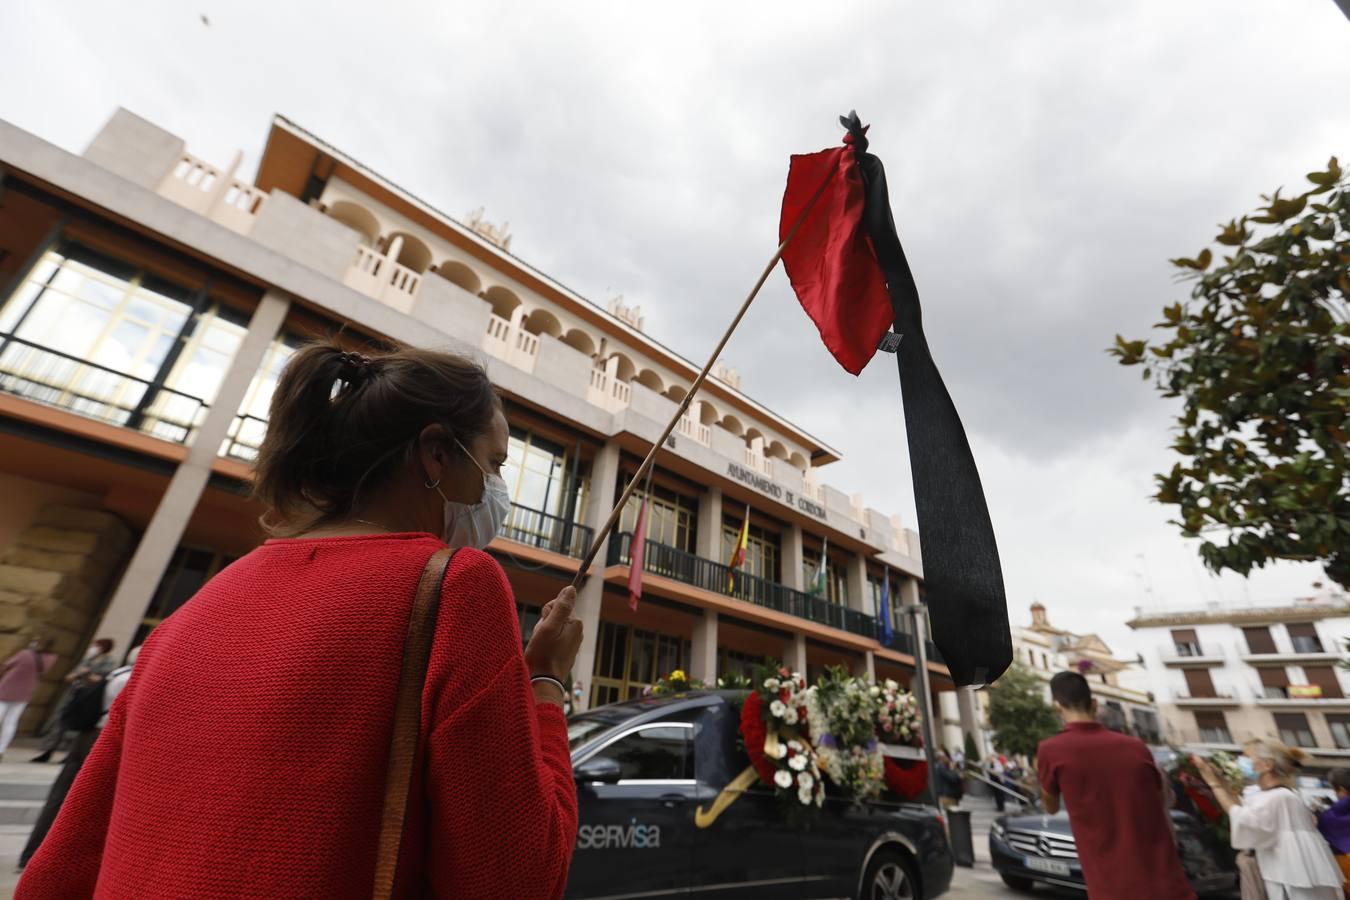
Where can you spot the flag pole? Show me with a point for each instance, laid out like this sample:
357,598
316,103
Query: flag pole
608,527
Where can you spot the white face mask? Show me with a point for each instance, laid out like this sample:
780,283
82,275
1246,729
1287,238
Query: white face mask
476,524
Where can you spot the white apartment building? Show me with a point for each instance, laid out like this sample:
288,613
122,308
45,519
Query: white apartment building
1045,650
1223,675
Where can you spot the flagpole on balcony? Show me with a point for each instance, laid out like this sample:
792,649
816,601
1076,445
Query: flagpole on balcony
603,534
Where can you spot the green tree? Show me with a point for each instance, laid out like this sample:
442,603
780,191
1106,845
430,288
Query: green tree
1260,358
1018,713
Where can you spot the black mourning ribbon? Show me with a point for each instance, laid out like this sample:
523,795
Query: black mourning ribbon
967,607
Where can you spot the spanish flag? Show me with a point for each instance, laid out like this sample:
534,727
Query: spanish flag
738,552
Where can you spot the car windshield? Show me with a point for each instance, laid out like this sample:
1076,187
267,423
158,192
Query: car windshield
587,725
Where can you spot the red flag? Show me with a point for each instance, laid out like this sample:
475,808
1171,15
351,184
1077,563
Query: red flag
637,552
830,262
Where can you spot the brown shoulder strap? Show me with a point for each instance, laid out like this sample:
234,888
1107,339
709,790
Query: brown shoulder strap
407,716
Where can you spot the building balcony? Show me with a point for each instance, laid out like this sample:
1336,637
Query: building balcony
511,344
381,278
1219,698
679,565
1298,696
1190,655
758,462
1299,652
903,642
48,376
546,532
608,392
219,196
695,431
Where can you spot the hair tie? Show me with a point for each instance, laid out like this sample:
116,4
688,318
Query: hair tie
355,366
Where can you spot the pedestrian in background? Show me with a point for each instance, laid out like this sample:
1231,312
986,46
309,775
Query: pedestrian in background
240,762
948,781
19,677
1334,822
994,769
1295,862
86,675
1117,803
79,751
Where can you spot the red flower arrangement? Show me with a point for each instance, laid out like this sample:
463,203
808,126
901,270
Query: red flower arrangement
906,778
754,732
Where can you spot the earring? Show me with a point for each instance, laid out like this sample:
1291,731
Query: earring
432,485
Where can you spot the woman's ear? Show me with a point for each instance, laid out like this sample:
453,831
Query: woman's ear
433,453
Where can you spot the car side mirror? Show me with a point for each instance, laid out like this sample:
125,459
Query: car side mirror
598,768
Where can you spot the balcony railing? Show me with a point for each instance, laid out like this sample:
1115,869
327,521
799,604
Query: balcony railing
608,392
383,279
695,431
671,562
758,462
244,438
203,188
903,641
547,532
67,382
511,343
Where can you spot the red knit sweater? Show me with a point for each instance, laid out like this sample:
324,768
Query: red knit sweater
246,757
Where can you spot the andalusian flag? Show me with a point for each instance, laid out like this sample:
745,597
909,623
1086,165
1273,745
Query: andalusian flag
738,552
817,588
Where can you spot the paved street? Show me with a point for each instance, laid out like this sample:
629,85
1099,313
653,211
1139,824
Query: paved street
23,789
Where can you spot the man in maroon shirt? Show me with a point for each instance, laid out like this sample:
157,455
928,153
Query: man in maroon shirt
1115,796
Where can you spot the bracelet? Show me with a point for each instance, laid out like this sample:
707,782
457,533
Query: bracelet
562,688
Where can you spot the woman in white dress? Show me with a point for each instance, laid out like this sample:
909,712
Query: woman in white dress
1295,862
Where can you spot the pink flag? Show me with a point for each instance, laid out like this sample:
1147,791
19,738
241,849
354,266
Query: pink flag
637,552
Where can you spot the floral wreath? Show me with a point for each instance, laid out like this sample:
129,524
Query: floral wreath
794,734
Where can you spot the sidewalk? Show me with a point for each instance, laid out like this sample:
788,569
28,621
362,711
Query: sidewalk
23,790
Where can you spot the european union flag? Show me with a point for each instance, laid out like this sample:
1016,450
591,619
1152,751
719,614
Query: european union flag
884,613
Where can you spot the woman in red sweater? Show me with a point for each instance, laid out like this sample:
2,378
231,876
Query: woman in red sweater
242,761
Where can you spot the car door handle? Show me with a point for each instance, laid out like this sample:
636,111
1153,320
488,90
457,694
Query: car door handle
670,801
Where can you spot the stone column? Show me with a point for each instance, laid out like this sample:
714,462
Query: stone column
793,576
709,543
604,481
794,653
858,598
127,607
703,650
865,666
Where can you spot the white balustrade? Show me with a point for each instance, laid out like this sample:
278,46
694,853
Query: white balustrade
758,462
695,431
608,393
203,188
511,344
381,278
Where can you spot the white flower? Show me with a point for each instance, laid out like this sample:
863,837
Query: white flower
798,762
804,796
876,691
796,745
783,778
804,780
776,709
771,684
820,798
790,716
779,751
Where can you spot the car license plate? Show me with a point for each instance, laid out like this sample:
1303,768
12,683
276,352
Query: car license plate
1048,866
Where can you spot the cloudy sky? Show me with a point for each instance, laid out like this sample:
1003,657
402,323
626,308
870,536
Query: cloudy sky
1045,159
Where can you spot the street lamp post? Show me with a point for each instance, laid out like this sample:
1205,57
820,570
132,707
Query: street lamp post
917,613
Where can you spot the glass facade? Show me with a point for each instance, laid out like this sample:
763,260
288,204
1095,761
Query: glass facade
629,660
246,432
672,519
539,473
761,551
836,583
103,338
